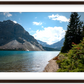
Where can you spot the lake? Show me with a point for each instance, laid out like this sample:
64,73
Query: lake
25,61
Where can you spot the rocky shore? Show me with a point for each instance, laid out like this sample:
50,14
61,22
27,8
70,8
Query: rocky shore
52,66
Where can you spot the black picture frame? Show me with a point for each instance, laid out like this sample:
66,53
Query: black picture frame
41,81
42,3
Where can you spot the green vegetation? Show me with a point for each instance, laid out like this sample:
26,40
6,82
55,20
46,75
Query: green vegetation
73,61
71,58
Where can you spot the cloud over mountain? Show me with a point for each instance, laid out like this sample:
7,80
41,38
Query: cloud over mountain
50,34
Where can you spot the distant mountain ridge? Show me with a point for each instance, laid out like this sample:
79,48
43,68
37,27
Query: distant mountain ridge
58,45
13,36
42,43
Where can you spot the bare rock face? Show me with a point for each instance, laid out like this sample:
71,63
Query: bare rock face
13,36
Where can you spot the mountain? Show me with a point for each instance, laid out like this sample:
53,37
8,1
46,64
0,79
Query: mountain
14,37
42,43
56,45
51,49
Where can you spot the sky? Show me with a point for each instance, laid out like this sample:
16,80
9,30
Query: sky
48,27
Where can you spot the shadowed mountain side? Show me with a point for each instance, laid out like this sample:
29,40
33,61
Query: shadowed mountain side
13,36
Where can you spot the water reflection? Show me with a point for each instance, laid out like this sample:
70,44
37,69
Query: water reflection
25,61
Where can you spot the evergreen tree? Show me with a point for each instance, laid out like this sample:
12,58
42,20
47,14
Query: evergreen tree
82,33
73,32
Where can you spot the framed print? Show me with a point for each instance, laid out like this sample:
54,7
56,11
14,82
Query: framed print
41,41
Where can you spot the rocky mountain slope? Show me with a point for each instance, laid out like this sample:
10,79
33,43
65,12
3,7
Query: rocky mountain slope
13,36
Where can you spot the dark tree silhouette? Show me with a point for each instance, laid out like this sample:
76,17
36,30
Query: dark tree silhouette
73,33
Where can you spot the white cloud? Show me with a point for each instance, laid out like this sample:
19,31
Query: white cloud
7,14
37,23
58,17
50,34
14,21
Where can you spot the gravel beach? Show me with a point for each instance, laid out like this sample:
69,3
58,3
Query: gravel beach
52,66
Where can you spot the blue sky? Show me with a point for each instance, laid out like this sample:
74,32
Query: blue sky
49,27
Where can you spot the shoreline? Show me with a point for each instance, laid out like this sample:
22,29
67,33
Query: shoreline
52,66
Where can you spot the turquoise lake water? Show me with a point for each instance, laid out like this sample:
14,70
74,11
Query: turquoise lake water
25,61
